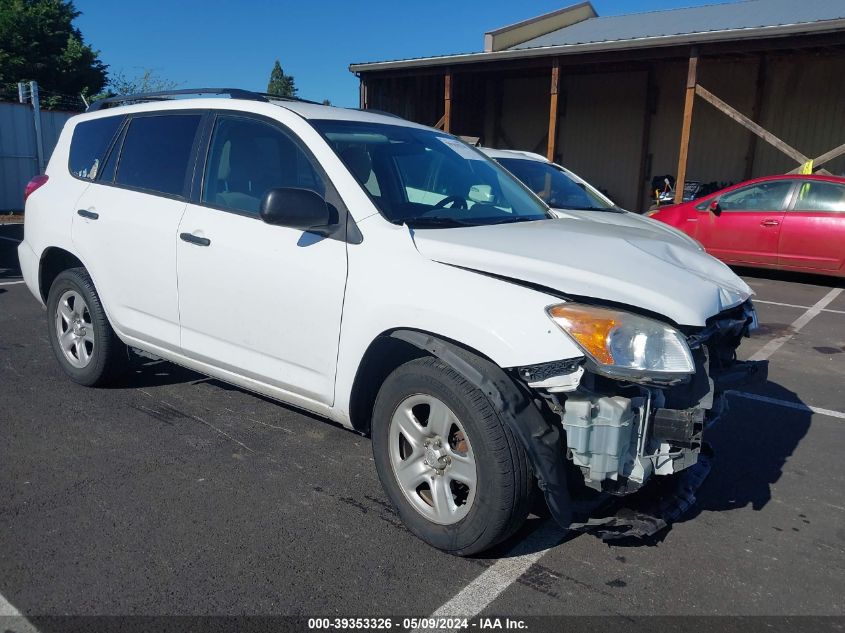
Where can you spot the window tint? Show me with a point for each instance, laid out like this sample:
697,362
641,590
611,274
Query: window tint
765,196
553,185
90,141
821,196
249,157
156,152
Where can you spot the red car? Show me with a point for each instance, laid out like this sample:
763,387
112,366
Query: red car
788,222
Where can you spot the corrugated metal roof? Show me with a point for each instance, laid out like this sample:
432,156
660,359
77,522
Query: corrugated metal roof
750,14
709,23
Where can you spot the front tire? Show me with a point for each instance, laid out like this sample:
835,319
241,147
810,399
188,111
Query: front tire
458,477
84,343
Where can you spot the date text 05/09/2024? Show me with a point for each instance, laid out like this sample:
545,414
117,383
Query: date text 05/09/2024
417,624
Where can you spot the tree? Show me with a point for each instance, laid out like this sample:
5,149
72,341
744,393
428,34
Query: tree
280,83
147,81
326,102
38,42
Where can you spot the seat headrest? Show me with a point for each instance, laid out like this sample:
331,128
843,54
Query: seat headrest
359,162
224,167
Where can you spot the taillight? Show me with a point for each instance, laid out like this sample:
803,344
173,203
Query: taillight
34,184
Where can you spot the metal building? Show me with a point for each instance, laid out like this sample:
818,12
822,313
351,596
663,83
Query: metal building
18,148
623,99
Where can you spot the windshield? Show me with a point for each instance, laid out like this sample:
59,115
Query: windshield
425,178
556,188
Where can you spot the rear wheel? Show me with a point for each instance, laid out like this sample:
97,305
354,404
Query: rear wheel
459,479
82,339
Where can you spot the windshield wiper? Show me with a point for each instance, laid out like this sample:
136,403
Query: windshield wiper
437,222
571,208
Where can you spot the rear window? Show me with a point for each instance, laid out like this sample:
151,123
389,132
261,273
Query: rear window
91,140
156,152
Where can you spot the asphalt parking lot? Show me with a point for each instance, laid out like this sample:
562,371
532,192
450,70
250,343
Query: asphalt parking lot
177,494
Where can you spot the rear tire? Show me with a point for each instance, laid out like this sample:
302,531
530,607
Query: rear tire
84,343
438,438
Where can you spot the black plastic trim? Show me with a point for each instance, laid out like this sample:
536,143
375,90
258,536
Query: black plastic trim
543,441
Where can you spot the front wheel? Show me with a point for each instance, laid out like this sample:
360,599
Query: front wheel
458,477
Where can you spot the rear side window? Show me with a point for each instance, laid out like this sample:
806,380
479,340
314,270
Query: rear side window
156,152
91,140
821,196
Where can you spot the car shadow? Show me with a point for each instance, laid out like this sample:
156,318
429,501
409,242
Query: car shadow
751,445
790,276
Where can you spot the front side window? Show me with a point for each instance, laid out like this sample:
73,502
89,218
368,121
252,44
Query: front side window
247,158
764,196
820,196
554,186
156,152
91,140
422,177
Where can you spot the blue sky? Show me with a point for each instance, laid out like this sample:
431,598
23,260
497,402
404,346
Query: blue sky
200,43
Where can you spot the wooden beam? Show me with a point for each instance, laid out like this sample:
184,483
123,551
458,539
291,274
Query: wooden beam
836,152
447,102
440,122
740,118
756,112
553,110
686,125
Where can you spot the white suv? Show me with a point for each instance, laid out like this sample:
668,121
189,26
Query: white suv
389,277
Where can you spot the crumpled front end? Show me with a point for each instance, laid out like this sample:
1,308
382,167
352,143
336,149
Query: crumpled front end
620,435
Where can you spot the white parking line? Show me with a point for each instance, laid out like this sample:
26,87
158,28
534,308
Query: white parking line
792,305
10,239
13,620
478,594
11,283
799,406
775,344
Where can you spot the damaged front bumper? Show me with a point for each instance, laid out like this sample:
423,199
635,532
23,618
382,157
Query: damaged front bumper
619,435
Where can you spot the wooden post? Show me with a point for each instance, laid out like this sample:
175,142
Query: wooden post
686,126
447,105
553,110
362,94
756,110
645,159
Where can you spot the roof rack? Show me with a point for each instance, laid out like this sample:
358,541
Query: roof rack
163,95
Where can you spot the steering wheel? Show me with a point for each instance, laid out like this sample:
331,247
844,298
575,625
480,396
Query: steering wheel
459,202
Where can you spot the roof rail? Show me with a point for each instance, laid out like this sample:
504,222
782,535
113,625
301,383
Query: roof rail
232,93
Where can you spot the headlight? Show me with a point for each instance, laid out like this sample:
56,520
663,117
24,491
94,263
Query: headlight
625,345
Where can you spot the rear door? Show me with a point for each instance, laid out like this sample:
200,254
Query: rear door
125,226
748,228
813,231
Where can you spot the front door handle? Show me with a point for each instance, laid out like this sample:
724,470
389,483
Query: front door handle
88,214
769,222
193,239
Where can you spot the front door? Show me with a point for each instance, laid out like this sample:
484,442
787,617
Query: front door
747,229
258,300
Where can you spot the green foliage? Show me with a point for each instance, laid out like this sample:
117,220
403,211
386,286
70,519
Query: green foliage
147,81
38,42
280,83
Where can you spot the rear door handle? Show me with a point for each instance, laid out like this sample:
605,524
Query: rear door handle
88,214
769,222
193,239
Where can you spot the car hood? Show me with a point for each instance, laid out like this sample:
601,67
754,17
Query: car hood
622,264
627,218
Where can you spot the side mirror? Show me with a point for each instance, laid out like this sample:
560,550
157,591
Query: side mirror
714,207
296,208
